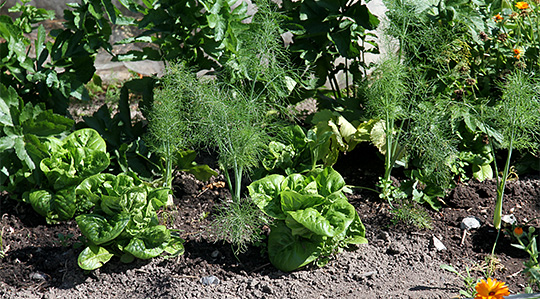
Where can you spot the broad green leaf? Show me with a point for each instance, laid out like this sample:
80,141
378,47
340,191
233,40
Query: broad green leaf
269,185
93,257
22,154
482,172
6,143
90,190
329,181
99,229
64,204
265,194
86,138
41,201
356,232
150,243
89,162
293,201
175,246
295,182
8,98
314,221
40,122
138,248
287,252
340,215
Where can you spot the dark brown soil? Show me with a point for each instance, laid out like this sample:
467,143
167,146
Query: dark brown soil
398,262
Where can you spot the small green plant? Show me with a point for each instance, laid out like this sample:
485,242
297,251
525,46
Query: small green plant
527,242
240,224
124,222
64,239
411,215
468,280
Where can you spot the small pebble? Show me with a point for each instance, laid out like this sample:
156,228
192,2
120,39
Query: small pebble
209,280
38,276
509,219
437,244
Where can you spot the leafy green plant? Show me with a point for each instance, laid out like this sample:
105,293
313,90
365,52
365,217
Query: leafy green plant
527,242
124,221
78,156
469,281
200,33
325,31
25,131
60,68
312,217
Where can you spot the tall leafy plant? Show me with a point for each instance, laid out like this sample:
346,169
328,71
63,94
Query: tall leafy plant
324,31
199,33
518,119
59,69
25,132
386,99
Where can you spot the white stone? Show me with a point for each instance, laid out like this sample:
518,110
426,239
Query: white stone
509,219
437,244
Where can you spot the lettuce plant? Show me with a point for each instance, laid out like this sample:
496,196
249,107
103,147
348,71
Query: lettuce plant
78,156
313,218
124,221
25,131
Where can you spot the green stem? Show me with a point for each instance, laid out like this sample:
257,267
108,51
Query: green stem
495,244
238,170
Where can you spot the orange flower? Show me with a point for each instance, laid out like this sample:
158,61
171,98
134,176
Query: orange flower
517,53
492,289
522,5
518,231
498,17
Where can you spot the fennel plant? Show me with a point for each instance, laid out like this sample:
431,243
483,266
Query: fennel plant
386,100
517,116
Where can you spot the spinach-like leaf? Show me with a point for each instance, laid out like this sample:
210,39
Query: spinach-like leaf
265,194
99,229
93,257
293,201
150,243
288,252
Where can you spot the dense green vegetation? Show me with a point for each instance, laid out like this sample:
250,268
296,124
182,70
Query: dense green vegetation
457,90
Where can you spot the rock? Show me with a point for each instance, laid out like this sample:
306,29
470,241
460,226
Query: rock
215,253
437,244
395,248
469,223
267,289
38,276
209,280
509,219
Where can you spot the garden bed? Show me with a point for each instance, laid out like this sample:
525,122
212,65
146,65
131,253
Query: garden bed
398,262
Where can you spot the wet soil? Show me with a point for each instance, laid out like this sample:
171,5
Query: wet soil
40,261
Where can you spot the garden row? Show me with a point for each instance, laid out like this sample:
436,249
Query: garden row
456,99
